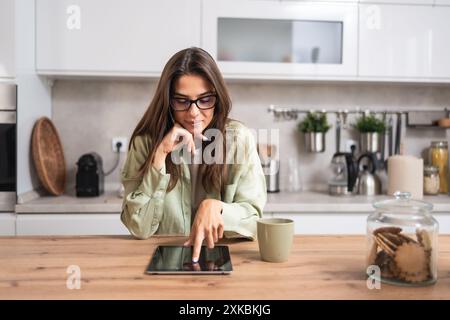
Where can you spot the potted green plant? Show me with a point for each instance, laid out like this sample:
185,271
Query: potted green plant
371,130
314,126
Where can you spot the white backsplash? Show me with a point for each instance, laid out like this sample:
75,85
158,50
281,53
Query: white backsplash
88,114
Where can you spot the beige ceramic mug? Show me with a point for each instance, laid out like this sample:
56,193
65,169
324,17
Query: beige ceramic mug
275,237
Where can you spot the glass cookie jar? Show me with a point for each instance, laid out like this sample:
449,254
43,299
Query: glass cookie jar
402,240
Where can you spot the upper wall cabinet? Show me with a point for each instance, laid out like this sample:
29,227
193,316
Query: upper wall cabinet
131,37
442,2
439,27
425,2
7,43
281,39
318,0
404,41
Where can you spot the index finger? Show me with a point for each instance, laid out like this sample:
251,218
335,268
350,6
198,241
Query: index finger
197,247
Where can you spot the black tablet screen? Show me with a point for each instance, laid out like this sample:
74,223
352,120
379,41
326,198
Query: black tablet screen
178,259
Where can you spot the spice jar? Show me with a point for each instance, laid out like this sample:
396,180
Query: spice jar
431,180
402,239
439,158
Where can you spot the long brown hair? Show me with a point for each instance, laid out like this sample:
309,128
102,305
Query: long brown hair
158,119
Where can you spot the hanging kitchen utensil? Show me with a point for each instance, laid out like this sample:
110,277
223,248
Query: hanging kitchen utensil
383,141
398,134
390,137
338,131
344,119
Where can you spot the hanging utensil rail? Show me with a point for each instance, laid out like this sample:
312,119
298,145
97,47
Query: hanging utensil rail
291,113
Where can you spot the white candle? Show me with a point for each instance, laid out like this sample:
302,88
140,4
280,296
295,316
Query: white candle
405,173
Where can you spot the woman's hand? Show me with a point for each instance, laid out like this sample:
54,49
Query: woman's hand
171,141
208,224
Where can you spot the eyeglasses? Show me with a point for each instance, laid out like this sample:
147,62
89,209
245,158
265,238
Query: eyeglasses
203,103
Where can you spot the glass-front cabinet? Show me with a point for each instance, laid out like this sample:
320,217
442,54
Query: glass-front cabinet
276,39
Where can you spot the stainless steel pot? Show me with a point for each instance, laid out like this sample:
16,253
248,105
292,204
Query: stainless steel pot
315,141
369,142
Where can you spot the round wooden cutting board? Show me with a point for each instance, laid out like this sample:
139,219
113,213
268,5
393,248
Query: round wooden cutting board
48,156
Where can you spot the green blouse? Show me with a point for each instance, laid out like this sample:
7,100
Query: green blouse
149,209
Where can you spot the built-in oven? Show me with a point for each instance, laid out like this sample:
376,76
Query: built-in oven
8,143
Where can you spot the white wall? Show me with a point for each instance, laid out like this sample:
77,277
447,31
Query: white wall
89,113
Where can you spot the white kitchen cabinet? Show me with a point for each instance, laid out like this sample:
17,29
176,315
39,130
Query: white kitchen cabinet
131,37
70,224
424,2
7,223
398,41
284,39
318,0
440,42
394,41
7,39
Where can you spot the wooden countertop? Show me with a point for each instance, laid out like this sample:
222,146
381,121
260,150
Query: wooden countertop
112,267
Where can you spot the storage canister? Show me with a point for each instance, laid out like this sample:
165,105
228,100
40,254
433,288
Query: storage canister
439,158
402,240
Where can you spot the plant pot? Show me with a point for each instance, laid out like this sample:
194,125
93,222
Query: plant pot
369,142
315,141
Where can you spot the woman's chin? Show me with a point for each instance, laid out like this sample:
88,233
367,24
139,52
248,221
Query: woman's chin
194,129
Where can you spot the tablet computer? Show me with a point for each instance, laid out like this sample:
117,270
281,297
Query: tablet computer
178,260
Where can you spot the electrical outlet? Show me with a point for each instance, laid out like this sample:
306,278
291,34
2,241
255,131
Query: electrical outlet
124,142
349,143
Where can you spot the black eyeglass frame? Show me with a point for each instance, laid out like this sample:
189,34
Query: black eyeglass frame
194,101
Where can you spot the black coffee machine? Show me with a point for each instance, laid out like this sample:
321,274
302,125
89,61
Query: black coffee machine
90,178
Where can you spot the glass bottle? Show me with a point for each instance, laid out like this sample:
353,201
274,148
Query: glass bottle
431,180
402,240
439,158
294,177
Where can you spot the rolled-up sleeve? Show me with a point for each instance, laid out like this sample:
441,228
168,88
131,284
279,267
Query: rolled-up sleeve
246,197
143,203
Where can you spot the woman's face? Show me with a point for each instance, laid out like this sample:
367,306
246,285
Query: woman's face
193,87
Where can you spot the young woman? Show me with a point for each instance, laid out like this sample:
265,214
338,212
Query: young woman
190,170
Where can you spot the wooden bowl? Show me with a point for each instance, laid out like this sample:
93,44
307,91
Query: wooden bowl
444,122
48,156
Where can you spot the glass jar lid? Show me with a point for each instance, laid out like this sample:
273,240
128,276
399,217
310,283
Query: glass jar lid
430,169
439,144
403,203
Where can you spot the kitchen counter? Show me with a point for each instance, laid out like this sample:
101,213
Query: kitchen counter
112,267
109,202
284,202
316,201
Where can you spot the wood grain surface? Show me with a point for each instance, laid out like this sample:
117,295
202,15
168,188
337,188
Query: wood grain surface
112,267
